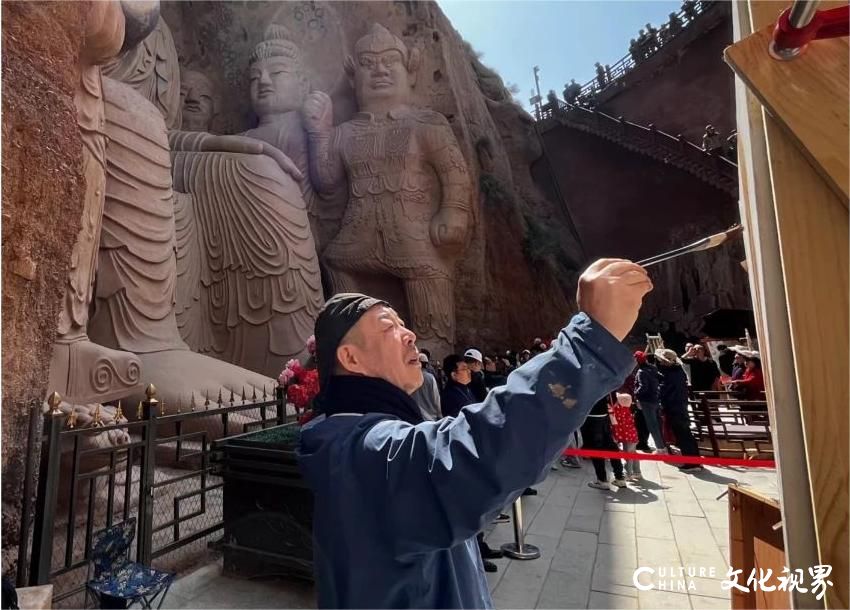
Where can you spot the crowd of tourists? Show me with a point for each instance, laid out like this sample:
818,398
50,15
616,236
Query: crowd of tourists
648,41
649,413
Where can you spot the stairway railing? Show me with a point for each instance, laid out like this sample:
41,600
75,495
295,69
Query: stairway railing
676,151
664,35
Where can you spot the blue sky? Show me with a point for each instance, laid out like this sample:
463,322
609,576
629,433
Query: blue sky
564,38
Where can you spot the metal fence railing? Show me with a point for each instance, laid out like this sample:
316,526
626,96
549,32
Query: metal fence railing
714,168
157,467
641,51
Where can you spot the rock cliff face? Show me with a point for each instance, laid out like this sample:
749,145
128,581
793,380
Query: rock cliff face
628,205
517,277
42,204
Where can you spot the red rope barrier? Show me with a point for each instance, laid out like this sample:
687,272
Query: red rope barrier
674,459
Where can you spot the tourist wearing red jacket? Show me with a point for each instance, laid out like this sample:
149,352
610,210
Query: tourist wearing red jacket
752,382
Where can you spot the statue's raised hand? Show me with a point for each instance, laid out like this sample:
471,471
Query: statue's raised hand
448,227
317,112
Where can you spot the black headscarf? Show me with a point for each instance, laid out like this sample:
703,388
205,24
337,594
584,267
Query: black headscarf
353,393
340,314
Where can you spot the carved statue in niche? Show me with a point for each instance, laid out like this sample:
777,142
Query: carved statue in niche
279,85
247,286
409,209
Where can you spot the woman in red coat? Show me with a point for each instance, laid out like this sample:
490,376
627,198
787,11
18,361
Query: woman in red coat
752,383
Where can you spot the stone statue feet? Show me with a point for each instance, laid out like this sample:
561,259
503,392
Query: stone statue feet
85,372
180,374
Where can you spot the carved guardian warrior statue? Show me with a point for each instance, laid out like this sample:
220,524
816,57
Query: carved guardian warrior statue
408,213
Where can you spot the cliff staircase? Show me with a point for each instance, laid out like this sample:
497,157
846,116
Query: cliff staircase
675,151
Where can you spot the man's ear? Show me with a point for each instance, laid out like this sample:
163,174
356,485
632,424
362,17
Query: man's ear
350,358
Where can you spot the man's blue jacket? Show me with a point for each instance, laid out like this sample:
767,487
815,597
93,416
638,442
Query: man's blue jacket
397,505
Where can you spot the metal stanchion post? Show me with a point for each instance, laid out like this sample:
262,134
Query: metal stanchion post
519,549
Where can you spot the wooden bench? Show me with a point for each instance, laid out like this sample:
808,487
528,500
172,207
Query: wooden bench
727,427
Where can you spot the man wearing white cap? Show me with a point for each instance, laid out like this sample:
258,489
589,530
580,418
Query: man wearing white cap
475,361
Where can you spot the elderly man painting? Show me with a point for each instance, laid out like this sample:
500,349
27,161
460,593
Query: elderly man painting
399,500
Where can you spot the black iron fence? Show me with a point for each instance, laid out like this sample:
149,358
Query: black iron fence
156,466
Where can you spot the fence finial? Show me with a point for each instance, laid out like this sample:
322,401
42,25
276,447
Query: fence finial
53,403
72,418
97,422
192,402
150,392
244,398
207,400
119,414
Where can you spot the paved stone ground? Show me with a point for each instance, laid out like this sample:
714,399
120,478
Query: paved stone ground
591,541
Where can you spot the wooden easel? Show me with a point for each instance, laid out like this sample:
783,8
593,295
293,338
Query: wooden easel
792,120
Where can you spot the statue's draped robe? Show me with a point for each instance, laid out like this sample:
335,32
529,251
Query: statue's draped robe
249,286
136,263
286,133
244,275
151,68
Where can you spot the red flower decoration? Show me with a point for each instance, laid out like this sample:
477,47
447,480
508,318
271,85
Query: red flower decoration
302,386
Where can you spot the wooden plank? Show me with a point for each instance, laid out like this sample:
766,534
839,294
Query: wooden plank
755,545
813,229
767,285
766,557
810,230
808,95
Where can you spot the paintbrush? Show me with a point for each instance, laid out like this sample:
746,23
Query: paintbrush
705,243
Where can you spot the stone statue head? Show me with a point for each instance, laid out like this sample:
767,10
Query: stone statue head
276,75
382,69
196,100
